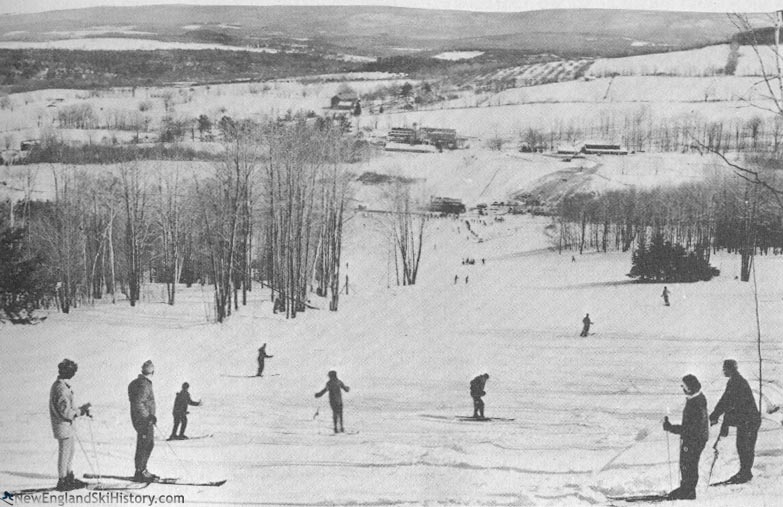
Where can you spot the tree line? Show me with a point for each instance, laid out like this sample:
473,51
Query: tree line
721,213
269,210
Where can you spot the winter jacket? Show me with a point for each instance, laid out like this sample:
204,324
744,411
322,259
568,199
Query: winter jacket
335,396
477,386
61,409
737,403
695,427
181,402
142,403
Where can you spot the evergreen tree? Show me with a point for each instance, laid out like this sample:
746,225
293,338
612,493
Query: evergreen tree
20,286
662,261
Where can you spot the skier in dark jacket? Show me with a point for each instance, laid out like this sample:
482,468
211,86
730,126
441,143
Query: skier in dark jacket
334,385
694,432
476,392
739,409
261,356
665,296
63,412
586,325
142,408
180,412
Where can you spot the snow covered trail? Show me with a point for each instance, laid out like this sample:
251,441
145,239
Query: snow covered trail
408,355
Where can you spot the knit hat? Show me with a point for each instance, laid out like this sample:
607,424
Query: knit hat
692,383
147,367
185,385
730,365
67,368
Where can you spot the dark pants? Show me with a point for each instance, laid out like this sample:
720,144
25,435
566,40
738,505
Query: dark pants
145,441
478,406
585,330
180,418
690,452
666,300
260,367
746,445
337,415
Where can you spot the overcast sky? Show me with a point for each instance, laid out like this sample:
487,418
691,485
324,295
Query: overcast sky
12,6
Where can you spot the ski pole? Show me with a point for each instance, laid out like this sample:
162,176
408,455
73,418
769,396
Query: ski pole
181,463
714,457
669,460
84,451
94,450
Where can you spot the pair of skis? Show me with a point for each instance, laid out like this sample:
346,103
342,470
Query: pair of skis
161,480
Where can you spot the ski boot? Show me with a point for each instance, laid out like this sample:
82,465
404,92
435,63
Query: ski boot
74,482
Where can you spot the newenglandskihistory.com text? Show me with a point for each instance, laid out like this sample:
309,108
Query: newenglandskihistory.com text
95,498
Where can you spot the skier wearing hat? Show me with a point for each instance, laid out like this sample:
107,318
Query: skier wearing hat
739,409
476,392
142,408
694,432
261,356
180,412
334,385
62,412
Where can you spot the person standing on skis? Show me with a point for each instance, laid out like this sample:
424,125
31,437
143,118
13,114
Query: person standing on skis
586,325
334,385
739,409
665,296
694,432
476,392
180,412
63,413
142,408
261,356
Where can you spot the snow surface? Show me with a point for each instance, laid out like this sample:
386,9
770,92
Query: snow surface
408,354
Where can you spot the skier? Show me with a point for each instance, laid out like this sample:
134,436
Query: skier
586,325
694,432
476,392
456,277
261,356
738,409
180,412
335,398
62,413
142,408
665,296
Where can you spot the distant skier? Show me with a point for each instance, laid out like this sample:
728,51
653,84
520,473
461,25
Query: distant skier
456,278
476,392
180,412
142,408
586,325
665,296
694,432
739,409
261,356
466,279
334,385
62,412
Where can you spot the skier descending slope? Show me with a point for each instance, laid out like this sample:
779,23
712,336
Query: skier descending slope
334,385
476,392
180,412
739,409
63,413
142,407
694,433
586,325
261,356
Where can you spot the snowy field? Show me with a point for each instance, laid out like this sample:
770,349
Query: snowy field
408,355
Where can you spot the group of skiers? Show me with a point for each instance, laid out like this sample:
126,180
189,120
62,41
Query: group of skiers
63,412
738,409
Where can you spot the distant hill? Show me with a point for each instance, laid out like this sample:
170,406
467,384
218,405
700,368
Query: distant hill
379,30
